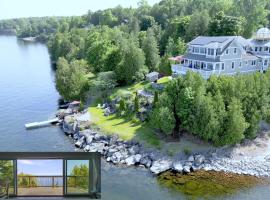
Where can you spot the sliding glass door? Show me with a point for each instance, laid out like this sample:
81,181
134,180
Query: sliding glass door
77,177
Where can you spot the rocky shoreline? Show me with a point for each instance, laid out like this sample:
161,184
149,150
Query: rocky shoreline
132,153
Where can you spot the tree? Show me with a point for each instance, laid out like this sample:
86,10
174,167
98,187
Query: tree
163,119
254,12
132,65
136,104
198,25
71,81
226,25
175,48
235,124
122,106
105,81
79,176
147,22
165,66
6,170
150,48
155,98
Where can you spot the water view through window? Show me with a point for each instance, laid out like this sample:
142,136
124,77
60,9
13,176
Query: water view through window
77,176
40,177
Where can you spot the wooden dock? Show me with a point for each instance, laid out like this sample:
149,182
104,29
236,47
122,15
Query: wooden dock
40,124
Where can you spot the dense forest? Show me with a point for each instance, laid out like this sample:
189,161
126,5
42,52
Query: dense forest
119,46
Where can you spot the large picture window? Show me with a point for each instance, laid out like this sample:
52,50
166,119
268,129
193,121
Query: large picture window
77,178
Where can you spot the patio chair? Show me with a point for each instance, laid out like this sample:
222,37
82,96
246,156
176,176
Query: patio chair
4,189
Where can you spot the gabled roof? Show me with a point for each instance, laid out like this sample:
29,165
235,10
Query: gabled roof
217,41
265,43
249,56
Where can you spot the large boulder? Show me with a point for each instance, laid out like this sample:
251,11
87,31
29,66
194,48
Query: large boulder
190,159
97,147
80,142
160,166
146,161
130,160
116,157
134,150
198,160
177,166
70,126
134,159
186,169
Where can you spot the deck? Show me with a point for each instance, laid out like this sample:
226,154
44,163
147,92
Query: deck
49,191
40,191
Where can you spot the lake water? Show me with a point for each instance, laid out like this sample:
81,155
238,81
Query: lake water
28,94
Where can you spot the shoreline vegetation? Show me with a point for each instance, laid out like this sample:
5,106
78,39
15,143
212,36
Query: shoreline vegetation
238,159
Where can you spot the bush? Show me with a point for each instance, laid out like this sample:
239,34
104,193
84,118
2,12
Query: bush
187,151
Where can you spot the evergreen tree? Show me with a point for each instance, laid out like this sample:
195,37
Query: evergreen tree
151,51
136,104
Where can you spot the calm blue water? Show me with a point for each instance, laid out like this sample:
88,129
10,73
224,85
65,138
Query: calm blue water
27,94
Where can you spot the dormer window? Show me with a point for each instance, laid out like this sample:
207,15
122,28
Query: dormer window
196,49
202,50
210,52
256,48
227,51
235,50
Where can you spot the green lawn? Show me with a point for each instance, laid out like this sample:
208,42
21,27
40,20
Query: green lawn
126,128
164,80
131,89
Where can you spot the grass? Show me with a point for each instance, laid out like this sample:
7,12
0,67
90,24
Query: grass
126,128
131,89
164,80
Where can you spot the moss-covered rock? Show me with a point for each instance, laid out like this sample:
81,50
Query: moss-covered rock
206,184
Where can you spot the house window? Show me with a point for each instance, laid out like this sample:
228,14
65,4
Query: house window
260,49
202,50
246,62
253,62
227,51
256,48
266,48
234,51
232,65
265,62
196,49
222,66
210,52
240,64
210,66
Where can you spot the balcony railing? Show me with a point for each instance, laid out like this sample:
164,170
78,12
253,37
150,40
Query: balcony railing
182,70
51,181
